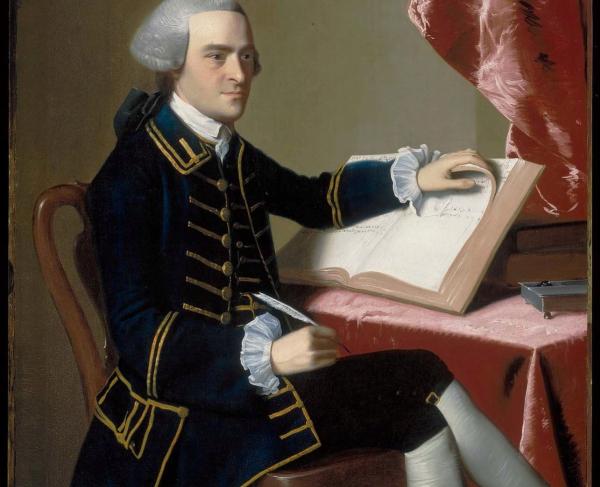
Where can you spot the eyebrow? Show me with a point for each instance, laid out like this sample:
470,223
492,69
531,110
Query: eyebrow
225,47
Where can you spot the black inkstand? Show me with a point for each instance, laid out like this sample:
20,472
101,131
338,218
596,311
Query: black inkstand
553,296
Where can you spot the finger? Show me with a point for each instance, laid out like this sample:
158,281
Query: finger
323,354
462,183
459,159
324,344
466,157
320,357
327,363
479,161
324,332
459,152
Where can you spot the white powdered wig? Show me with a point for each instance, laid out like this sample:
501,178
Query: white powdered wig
161,42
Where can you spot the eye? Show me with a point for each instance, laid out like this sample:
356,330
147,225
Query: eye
216,56
249,56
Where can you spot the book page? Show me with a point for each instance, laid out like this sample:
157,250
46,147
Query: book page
344,248
417,250
424,247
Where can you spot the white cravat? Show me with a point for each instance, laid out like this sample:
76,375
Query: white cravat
203,125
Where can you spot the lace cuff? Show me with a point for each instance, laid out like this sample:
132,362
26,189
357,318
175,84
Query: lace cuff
404,174
255,356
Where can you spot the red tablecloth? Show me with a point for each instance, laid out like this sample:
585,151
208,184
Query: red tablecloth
526,373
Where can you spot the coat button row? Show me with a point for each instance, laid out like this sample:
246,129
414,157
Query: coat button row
227,268
222,185
226,241
226,293
225,214
225,318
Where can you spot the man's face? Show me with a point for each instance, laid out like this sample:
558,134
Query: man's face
219,65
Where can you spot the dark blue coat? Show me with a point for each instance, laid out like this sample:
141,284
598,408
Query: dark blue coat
182,240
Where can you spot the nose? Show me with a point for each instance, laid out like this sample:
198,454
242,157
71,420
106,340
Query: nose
237,72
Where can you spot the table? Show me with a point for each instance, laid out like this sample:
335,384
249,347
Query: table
527,373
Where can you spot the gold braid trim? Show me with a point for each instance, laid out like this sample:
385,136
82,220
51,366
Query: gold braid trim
160,345
124,433
153,350
201,311
336,193
203,260
204,231
309,425
332,197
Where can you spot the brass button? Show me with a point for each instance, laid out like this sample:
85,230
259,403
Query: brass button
239,244
227,268
226,293
222,184
225,318
226,240
225,214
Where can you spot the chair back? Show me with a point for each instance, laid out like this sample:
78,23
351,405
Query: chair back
93,369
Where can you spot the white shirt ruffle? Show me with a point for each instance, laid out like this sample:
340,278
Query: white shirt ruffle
404,174
259,335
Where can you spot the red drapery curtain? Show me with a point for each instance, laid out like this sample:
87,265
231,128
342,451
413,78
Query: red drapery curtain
528,57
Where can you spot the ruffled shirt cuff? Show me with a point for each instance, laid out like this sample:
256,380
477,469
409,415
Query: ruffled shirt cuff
255,356
404,174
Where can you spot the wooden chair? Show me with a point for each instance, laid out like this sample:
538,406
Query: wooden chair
93,369
355,468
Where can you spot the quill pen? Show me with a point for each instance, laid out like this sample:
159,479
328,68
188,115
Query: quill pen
287,309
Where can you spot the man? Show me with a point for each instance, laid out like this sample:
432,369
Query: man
212,388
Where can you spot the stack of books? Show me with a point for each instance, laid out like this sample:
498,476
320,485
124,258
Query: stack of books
541,253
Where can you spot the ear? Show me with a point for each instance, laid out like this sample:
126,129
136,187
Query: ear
176,73
257,65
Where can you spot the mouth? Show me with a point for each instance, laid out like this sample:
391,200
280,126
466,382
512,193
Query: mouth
233,93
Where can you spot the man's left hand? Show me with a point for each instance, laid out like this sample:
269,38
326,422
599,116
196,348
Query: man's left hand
437,175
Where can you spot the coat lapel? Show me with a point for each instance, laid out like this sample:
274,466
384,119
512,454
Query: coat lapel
183,148
242,172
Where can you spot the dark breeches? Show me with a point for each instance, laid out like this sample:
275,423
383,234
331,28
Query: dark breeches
374,400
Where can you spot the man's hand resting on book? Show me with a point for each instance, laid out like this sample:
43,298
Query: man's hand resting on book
308,348
437,175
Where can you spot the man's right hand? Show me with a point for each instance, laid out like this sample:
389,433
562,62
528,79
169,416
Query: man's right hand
308,348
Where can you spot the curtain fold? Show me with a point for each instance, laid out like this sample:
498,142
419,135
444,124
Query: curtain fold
528,58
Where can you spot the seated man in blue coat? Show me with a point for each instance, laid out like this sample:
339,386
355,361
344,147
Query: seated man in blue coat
212,387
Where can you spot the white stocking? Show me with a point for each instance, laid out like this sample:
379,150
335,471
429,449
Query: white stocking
488,456
434,464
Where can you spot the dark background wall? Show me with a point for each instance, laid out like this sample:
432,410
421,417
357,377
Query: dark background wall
340,77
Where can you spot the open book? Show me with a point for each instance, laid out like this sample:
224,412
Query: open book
436,259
